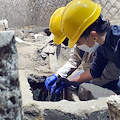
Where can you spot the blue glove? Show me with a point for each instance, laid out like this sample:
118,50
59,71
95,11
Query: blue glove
57,90
50,81
62,83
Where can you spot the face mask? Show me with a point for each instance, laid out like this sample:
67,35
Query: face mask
85,48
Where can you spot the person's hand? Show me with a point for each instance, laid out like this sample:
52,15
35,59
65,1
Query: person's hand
62,83
50,81
57,87
57,94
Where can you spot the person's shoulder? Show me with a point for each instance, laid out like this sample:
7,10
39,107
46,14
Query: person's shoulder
99,48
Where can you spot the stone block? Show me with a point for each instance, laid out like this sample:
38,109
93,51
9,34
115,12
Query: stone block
10,96
3,25
67,110
71,94
114,107
90,91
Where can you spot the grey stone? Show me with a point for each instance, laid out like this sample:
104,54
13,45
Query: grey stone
113,1
114,107
66,110
43,55
3,25
113,11
103,2
71,94
90,91
6,37
31,112
10,96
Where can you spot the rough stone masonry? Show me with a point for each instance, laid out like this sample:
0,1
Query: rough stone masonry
10,96
38,12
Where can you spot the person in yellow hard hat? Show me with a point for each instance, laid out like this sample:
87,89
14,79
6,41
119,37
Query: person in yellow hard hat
77,57
84,25
54,26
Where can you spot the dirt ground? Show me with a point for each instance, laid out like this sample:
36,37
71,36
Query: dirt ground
29,60
31,52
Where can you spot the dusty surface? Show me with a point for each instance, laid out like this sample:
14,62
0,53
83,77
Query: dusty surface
29,54
30,60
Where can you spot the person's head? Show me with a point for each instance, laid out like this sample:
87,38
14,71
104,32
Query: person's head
54,26
82,22
94,32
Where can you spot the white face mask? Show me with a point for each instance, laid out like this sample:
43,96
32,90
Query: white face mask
85,48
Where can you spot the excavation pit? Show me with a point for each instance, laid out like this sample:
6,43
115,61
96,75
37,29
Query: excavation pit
37,86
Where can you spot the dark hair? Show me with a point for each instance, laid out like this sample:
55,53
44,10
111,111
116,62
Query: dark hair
65,42
101,25
47,31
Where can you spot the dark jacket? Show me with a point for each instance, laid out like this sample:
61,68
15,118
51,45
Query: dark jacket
110,50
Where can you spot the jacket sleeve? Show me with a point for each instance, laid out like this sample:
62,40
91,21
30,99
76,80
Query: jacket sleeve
110,73
72,64
117,54
98,64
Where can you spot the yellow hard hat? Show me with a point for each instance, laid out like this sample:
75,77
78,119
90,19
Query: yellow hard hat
54,26
77,16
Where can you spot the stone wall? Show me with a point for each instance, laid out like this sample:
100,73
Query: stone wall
111,9
10,96
38,12
16,12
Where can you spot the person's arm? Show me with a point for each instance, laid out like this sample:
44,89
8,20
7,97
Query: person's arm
96,69
71,65
84,77
66,70
99,63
